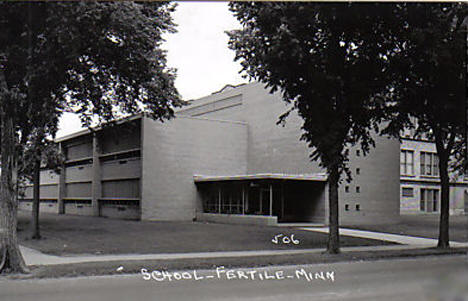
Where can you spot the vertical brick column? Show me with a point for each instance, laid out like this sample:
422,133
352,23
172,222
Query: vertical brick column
61,184
96,177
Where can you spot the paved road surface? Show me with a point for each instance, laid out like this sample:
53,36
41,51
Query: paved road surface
430,278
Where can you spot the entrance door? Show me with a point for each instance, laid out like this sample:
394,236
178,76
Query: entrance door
265,201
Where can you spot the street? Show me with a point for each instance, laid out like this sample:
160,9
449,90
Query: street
429,278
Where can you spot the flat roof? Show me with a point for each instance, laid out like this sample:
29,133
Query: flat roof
322,177
234,90
97,128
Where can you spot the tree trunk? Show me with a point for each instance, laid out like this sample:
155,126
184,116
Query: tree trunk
11,259
333,235
36,199
444,202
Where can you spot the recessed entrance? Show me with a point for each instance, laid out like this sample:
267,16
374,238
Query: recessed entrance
291,201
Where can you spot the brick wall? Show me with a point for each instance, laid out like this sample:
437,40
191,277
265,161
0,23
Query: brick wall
277,149
176,150
271,148
375,190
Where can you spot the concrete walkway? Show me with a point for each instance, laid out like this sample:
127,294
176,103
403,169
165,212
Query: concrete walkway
396,238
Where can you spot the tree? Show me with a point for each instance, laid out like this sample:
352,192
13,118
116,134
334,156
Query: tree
430,86
38,125
326,60
39,153
94,58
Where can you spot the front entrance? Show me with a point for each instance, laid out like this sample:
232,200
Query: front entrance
304,202
290,201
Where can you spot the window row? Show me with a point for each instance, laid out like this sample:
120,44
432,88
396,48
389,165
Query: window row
358,189
428,163
347,208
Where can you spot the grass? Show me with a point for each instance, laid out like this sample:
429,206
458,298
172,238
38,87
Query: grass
68,235
426,225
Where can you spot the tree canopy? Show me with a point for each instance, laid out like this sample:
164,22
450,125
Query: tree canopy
98,59
348,67
95,57
327,60
430,86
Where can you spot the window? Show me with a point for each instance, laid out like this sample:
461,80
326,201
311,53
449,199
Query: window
406,162
358,189
346,207
358,207
225,199
429,164
407,192
358,171
429,200
346,189
358,153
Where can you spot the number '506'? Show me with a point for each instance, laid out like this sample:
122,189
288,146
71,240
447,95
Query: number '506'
281,238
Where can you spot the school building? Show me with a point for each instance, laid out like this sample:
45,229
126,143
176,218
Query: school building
222,159
420,182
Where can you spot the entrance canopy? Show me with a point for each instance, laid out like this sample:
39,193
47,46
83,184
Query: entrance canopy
262,176
289,197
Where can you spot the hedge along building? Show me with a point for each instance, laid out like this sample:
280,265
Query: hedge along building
223,158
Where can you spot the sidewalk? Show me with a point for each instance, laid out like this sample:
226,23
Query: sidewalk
34,257
396,238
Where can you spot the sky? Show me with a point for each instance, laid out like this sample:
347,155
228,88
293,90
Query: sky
198,51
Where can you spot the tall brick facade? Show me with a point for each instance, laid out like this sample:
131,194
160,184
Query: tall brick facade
173,152
372,196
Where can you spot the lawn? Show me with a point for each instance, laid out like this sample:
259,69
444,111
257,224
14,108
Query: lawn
426,225
67,234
